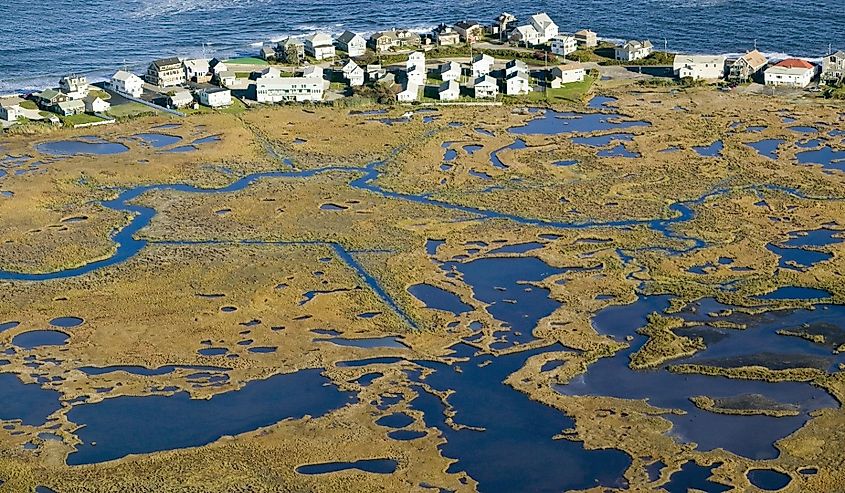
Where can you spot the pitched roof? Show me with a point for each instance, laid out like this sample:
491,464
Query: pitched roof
584,32
794,63
517,73
526,29
482,58
516,64
123,75
48,94
347,37
755,58
449,85
450,66
541,19
485,80
467,24
71,104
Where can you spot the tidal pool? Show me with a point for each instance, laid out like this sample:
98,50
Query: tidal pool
376,466
125,425
27,402
768,479
73,147
693,476
767,147
439,299
496,162
551,122
795,293
40,338
517,248
712,150
371,342
602,140
158,140
66,322
826,156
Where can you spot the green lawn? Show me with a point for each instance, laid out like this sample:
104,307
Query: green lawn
129,110
79,119
574,91
248,61
30,105
100,94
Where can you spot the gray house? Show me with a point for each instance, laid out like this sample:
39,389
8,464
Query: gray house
291,50
747,67
833,68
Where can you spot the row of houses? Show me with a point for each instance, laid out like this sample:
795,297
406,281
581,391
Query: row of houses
791,72
513,79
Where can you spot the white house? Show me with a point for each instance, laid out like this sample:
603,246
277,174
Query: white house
544,25
515,66
450,71
833,68
449,91
216,66
375,72
633,50
481,65
127,84
415,59
313,72
486,87
75,86
566,74
70,107
297,89
227,78
791,72
10,108
564,44
95,104
446,36
197,70
411,92
517,84
525,35
353,73
353,44
319,46
215,97
270,72
417,75
699,67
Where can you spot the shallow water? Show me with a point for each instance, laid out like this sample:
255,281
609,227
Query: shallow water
158,140
376,466
439,299
768,479
38,338
134,425
73,147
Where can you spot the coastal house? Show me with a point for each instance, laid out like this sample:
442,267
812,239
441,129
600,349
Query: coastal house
215,97
450,71
398,38
410,92
481,65
291,50
503,24
267,53
417,75
446,36
833,68
352,43
227,78
544,25
747,67
353,73
10,108
75,86
166,72
699,67
566,74
180,98
469,31
319,46
517,84
267,72
197,70
375,72
127,84
525,36
313,72
415,59
564,44
515,66
283,89
486,87
215,66
49,98
449,91
586,38
792,72
95,104
69,107
633,50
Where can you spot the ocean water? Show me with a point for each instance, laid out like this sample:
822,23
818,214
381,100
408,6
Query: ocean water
43,41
